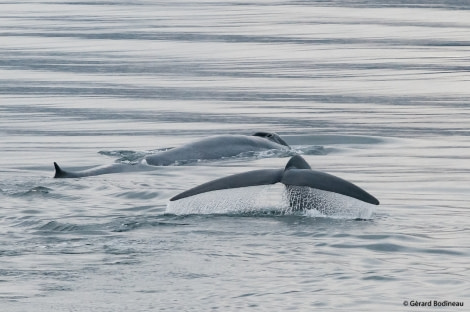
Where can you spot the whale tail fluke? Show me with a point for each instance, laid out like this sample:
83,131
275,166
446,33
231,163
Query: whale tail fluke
297,172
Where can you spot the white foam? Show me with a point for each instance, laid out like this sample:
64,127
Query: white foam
317,203
232,201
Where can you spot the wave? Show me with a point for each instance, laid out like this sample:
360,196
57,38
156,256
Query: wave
18,189
117,225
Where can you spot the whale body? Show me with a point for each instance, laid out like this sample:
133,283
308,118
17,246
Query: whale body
297,173
210,148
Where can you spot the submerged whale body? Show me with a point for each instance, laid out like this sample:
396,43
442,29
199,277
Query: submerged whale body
297,173
210,148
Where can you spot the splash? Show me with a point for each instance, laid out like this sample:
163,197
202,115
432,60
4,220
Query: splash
273,200
125,156
246,200
309,150
317,203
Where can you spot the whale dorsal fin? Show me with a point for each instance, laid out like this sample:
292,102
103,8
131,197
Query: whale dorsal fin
59,173
297,162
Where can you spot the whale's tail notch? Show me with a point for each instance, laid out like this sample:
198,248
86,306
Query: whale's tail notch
297,162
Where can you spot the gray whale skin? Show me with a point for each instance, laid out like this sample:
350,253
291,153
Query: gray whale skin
210,148
297,172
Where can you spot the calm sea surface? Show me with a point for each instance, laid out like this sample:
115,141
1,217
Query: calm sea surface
376,92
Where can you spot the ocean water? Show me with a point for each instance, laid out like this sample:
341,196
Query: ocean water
376,92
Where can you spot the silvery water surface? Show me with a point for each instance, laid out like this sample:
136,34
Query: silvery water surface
376,92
